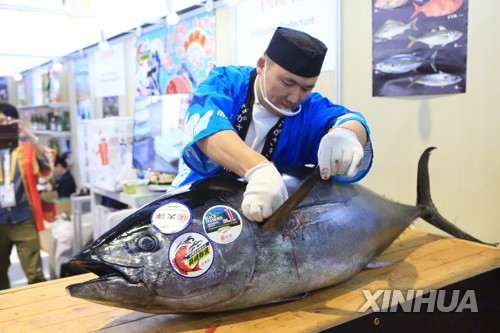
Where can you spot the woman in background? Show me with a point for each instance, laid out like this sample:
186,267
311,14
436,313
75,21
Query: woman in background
65,183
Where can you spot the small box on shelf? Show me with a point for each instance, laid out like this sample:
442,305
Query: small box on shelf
52,205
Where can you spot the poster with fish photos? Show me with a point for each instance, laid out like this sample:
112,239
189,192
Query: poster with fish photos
419,47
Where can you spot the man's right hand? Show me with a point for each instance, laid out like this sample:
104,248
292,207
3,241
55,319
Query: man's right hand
265,192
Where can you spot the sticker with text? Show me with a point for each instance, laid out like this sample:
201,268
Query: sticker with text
191,254
222,224
171,217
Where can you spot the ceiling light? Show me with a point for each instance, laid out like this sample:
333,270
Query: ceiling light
56,65
172,19
138,31
209,5
232,2
172,16
17,77
103,44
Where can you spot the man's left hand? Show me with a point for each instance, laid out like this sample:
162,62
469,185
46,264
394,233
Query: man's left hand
339,152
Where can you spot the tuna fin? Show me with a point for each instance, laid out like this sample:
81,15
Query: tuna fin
374,264
412,82
413,24
433,61
280,218
431,213
413,40
291,298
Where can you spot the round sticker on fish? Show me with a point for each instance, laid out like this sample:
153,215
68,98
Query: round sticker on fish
171,217
191,254
222,224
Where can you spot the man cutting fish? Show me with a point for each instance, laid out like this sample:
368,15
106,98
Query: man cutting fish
251,121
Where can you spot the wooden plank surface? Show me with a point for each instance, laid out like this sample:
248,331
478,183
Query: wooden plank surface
423,262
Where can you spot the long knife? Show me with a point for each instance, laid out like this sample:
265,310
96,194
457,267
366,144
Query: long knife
280,218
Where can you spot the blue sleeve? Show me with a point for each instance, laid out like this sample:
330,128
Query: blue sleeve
215,104
301,135
366,162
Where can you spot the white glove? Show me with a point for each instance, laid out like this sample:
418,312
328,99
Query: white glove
265,192
339,152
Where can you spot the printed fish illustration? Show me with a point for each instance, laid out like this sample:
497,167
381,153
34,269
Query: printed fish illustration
436,80
442,37
404,63
323,235
393,28
390,4
436,8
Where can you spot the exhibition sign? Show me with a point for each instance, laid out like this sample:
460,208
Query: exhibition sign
256,21
109,69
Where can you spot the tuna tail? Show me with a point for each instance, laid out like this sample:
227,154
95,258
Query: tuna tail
431,213
418,9
413,40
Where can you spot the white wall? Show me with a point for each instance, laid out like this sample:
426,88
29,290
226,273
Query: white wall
465,169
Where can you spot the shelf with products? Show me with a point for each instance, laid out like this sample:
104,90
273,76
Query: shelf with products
44,106
54,134
47,119
51,123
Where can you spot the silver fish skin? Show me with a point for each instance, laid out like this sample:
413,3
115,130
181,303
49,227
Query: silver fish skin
393,28
440,79
333,234
441,37
403,63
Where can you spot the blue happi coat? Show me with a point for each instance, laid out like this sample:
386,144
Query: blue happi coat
216,105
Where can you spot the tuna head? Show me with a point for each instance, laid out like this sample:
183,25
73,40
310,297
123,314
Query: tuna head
151,261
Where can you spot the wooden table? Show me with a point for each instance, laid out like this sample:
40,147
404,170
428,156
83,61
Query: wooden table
427,262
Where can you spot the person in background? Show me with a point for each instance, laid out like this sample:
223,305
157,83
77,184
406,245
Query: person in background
64,182
252,121
21,215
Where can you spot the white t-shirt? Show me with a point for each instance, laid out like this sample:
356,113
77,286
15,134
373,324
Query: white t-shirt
262,121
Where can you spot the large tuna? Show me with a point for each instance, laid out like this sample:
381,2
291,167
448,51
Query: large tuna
193,251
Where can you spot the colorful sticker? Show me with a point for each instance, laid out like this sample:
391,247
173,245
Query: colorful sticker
222,224
191,254
171,218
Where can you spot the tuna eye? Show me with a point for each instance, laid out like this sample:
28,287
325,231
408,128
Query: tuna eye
146,243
